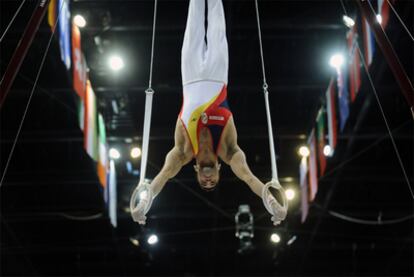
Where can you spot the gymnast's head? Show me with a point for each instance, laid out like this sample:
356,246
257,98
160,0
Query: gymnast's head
208,174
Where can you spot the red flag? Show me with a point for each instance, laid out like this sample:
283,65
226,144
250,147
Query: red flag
303,172
313,167
354,63
79,64
384,11
331,112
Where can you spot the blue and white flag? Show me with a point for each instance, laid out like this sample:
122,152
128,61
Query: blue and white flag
369,42
110,194
64,32
343,97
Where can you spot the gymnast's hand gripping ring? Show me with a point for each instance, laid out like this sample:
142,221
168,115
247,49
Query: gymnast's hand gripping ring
277,211
141,201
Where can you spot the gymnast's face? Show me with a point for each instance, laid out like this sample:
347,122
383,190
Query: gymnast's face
208,174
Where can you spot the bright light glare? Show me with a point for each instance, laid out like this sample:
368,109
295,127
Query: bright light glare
336,61
349,22
116,63
79,21
114,154
288,179
153,239
379,18
290,194
135,152
143,195
327,150
304,151
275,238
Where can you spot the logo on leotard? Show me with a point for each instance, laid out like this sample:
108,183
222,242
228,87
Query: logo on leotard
204,118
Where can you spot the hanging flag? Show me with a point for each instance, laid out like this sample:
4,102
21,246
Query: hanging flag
384,11
90,123
81,113
303,177
64,32
343,97
354,63
110,194
331,113
79,63
313,167
320,129
51,14
103,154
369,42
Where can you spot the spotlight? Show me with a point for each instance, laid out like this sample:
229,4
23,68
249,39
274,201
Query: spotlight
134,241
135,152
152,239
275,238
290,194
327,150
304,151
79,21
114,154
349,22
116,63
336,61
379,18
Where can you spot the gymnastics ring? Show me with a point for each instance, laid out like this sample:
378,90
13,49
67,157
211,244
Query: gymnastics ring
266,196
142,193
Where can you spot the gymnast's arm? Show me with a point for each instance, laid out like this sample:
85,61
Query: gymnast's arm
234,156
179,155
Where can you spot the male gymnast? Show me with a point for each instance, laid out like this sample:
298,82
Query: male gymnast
205,129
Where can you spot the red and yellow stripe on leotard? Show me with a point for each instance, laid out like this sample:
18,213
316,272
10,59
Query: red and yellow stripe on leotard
193,122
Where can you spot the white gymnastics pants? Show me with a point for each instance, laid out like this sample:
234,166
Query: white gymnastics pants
201,62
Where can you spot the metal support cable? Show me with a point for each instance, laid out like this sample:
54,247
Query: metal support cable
401,21
148,105
266,96
31,96
12,20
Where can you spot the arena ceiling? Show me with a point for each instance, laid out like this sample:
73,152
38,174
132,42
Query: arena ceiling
53,217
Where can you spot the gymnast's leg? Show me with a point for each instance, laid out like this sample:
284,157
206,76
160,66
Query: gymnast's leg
192,52
217,48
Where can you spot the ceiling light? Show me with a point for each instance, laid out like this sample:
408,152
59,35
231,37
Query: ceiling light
336,61
153,239
304,151
288,179
79,21
349,22
379,18
290,194
275,238
114,154
116,63
135,152
134,241
327,150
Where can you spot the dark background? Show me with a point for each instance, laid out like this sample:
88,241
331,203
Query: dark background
53,216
